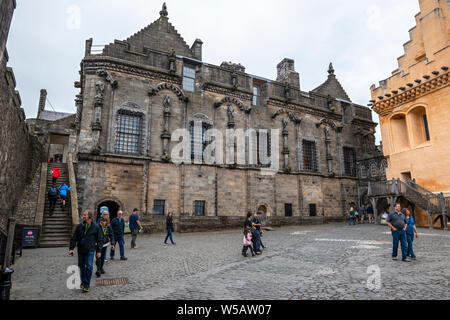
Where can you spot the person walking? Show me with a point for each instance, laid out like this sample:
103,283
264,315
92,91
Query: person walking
169,227
352,216
397,222
88,239
118,228
370,214
108,238
52,198
248,221
135,227
256,224
361,213
410,231
247,241
55,174
63,194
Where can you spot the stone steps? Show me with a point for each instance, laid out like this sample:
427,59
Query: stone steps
57,228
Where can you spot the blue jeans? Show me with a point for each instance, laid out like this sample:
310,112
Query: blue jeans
121,241
399,236
169,234
352,220
86,265
409,240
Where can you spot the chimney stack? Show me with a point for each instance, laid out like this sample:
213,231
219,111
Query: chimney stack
286,73
197,49
42,100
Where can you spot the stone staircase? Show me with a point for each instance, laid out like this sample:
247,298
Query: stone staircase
57,229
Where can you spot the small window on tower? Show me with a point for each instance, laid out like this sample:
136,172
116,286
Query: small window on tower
189,78
256,96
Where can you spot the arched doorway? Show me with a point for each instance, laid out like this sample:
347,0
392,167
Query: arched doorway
112,206
263,209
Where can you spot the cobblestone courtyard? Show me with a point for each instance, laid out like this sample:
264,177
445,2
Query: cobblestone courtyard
302,262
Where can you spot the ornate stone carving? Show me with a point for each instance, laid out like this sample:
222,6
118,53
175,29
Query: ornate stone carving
234,101
230,111
172,62
292,116
167,86
105,74
164,12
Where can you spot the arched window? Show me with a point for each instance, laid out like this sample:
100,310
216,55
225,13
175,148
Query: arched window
129,131
363,171
373,170
383,167
419,125
400,137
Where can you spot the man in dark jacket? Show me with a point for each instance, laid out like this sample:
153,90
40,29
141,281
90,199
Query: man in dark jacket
88,238
53,194
118,228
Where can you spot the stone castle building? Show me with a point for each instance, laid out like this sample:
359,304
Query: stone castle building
413,105
135,93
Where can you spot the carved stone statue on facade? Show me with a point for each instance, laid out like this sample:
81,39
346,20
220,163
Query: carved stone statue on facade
166,104
100,89
230,110
284,122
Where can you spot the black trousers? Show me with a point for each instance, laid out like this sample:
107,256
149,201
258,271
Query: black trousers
245,248
101,261
52,204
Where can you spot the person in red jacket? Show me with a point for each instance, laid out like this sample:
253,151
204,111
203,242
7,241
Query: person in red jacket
55,174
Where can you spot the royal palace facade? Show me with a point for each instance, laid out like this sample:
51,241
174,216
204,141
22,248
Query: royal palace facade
135,93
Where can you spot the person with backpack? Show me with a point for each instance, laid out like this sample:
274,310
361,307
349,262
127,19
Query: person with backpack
108,238
63,194
53,194
88,238
55,174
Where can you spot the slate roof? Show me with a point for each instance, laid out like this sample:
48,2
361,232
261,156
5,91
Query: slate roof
53,115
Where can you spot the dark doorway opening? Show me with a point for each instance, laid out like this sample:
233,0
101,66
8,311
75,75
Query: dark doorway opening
312,210
113,208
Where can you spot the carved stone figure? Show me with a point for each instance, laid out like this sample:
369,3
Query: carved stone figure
230,113
285,122
100,89
166,103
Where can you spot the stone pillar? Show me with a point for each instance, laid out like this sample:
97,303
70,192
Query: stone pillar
88,48
165,136
42,100
329,157
285,151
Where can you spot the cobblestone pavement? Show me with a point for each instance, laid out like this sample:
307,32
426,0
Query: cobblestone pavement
303,262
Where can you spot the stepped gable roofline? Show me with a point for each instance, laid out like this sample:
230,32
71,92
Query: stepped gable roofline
332,86
160,35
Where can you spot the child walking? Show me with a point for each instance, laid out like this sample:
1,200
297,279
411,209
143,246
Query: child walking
108,238
247,242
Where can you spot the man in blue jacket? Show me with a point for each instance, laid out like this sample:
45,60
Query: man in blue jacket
118,228
88,238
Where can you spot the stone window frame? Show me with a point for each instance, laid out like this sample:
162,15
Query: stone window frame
164,207
311,138
373,170
314,163
344,173
362,171
135,109
247,143
205,211
383,167
205,120
188,66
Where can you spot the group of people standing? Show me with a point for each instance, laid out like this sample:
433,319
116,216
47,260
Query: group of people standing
92,239
403,229
360,214
253,234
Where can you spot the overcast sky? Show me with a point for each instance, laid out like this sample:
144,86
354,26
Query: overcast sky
363,39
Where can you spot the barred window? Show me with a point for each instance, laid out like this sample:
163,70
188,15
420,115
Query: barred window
349,161
189,78
128,133
288,209
363,171
198,140
256,96
310,156
158,207
373,170
199,208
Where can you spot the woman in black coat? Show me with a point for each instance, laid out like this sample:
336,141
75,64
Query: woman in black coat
169,227
108,237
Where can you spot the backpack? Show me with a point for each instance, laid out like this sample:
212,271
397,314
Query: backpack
53,192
